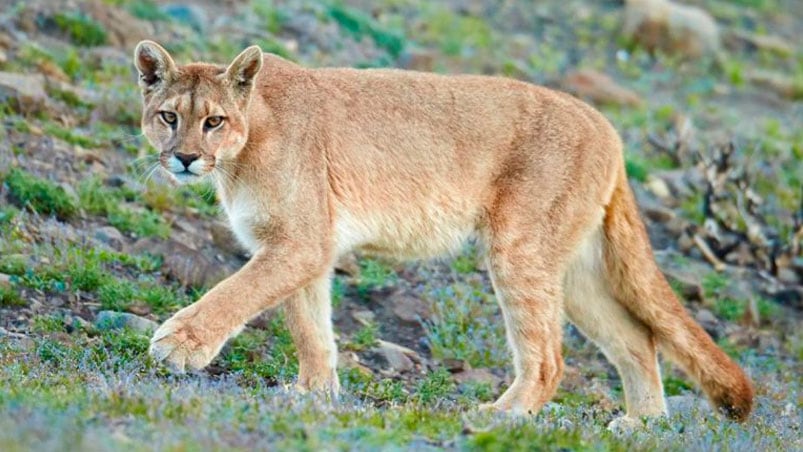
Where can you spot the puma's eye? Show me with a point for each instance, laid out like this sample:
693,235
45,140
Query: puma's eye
168,117
213,121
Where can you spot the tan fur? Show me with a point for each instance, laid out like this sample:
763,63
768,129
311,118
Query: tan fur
313,163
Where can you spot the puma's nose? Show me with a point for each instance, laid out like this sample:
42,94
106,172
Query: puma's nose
186,159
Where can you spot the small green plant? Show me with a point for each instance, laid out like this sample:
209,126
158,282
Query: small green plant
82,29
436,385
464,325
713,283
676,386
10,297
373,275
39,195
466,262
44,324
364,338
636,170
730,309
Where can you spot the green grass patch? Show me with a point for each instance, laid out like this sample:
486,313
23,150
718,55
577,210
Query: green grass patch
80,28
464,325
359,25
39,195
10,297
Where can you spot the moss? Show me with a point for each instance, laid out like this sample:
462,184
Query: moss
39,195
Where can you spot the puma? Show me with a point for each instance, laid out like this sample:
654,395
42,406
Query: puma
310,164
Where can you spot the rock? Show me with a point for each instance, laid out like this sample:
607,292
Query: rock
110,236
189,267
704,316
477,376
684,274
599,88
754,41
409,309
398,358
658,187
24,92
364,317
455,365
5,280
224,239
347,264
75,323
350,360
24,342
781,84
671,27
112,320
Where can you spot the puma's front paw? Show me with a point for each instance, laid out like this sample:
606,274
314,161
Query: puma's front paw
179,343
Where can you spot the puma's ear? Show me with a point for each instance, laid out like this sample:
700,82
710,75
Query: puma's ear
244,69
154,64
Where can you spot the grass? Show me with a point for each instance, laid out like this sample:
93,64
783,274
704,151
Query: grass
465,325
102,391
358,24
39,195
80,28
97,199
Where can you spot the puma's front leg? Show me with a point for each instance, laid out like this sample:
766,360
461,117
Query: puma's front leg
308,314
195,334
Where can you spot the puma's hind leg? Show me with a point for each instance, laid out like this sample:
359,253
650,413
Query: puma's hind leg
624,340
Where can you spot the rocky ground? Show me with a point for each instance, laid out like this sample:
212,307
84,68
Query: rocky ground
94,252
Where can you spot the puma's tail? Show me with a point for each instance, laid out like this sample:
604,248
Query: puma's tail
639,285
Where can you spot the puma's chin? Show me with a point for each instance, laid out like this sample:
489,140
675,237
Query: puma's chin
186,176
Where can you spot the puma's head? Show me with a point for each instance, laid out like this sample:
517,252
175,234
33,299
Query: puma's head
195,115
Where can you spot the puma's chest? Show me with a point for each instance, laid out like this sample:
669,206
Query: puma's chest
244,217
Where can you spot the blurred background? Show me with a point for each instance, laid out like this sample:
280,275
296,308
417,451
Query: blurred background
707,94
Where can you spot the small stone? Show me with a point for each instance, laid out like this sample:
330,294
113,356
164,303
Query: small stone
348,264
704,316
110,236
455,365
407,308
398,358
224,239
658,187
112,320
477,375
25,92
364,317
